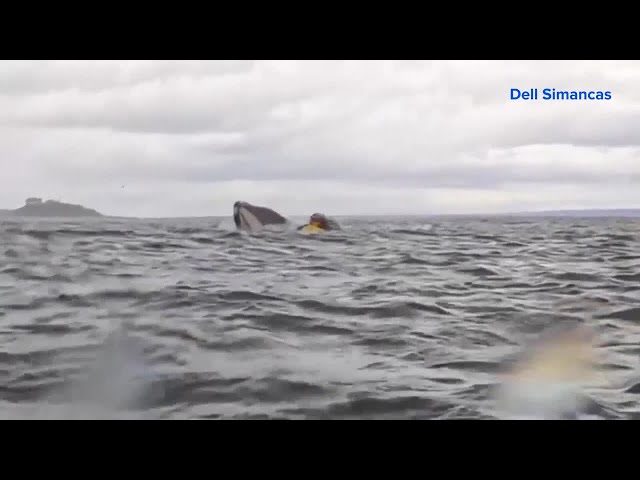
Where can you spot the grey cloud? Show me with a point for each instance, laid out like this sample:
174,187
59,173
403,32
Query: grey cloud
149,162
181,103
569,127
22,77
455,176
446,104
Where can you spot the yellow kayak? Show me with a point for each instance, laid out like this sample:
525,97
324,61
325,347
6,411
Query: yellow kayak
311,229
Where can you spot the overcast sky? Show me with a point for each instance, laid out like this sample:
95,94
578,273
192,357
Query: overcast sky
174,138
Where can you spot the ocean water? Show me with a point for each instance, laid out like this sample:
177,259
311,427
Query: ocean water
399,318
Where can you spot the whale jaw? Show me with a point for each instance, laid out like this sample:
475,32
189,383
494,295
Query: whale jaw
252,218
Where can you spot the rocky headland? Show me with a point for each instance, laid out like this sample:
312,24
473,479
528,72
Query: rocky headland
36,207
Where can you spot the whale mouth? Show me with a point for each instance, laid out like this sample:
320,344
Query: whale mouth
248,217
236,214
254,218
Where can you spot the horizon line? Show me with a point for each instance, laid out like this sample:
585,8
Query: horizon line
628,210
602,211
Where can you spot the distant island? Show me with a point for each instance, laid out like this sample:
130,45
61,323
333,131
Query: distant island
35,207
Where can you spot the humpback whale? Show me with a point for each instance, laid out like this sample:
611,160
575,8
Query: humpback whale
319,222
253,218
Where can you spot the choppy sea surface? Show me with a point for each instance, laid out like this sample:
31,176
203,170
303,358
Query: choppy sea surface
400,318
